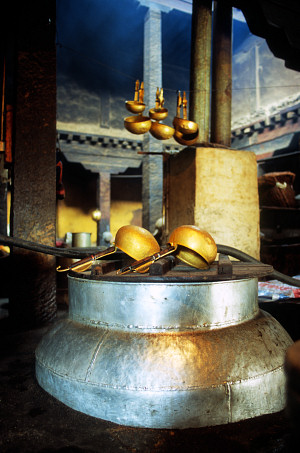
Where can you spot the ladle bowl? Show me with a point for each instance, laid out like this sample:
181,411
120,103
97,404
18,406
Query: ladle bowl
135,106
137,124
135,241
158,114
185,126
186,139
161,131
189,243
194,246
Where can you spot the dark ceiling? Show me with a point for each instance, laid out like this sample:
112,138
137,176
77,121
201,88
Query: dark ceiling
278,22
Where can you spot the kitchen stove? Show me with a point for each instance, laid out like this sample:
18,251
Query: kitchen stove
176,347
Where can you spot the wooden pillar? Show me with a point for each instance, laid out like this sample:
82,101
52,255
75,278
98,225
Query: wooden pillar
200,67
103,202
3,206
221,74
152,164
33,217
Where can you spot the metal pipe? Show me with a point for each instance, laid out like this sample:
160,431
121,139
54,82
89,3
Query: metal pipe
221,74
200,66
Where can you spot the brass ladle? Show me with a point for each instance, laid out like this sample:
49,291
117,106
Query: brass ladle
161,131
186,131
191,245
158,130
159,112
185,139
137,105
137,124
133,240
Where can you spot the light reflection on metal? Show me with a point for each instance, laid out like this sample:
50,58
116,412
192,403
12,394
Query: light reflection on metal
165,355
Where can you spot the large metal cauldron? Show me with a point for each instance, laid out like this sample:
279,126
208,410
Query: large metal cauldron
162,354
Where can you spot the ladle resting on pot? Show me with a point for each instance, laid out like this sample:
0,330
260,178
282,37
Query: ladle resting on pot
191,245
133,240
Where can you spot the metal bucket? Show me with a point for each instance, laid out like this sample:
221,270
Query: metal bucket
165,355
81,239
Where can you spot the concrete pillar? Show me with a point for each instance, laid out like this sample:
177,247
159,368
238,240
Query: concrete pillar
152,164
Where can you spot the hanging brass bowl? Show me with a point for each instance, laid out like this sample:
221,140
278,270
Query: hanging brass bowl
137,124
158,114
185,126
135,106
186,139
161,131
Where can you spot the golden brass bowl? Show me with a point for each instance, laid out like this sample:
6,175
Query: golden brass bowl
136,241
158,114
185,139
195,247
189,243
137,124
185,126
135,106
161,131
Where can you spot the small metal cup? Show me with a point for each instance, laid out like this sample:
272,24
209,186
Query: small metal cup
81,240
